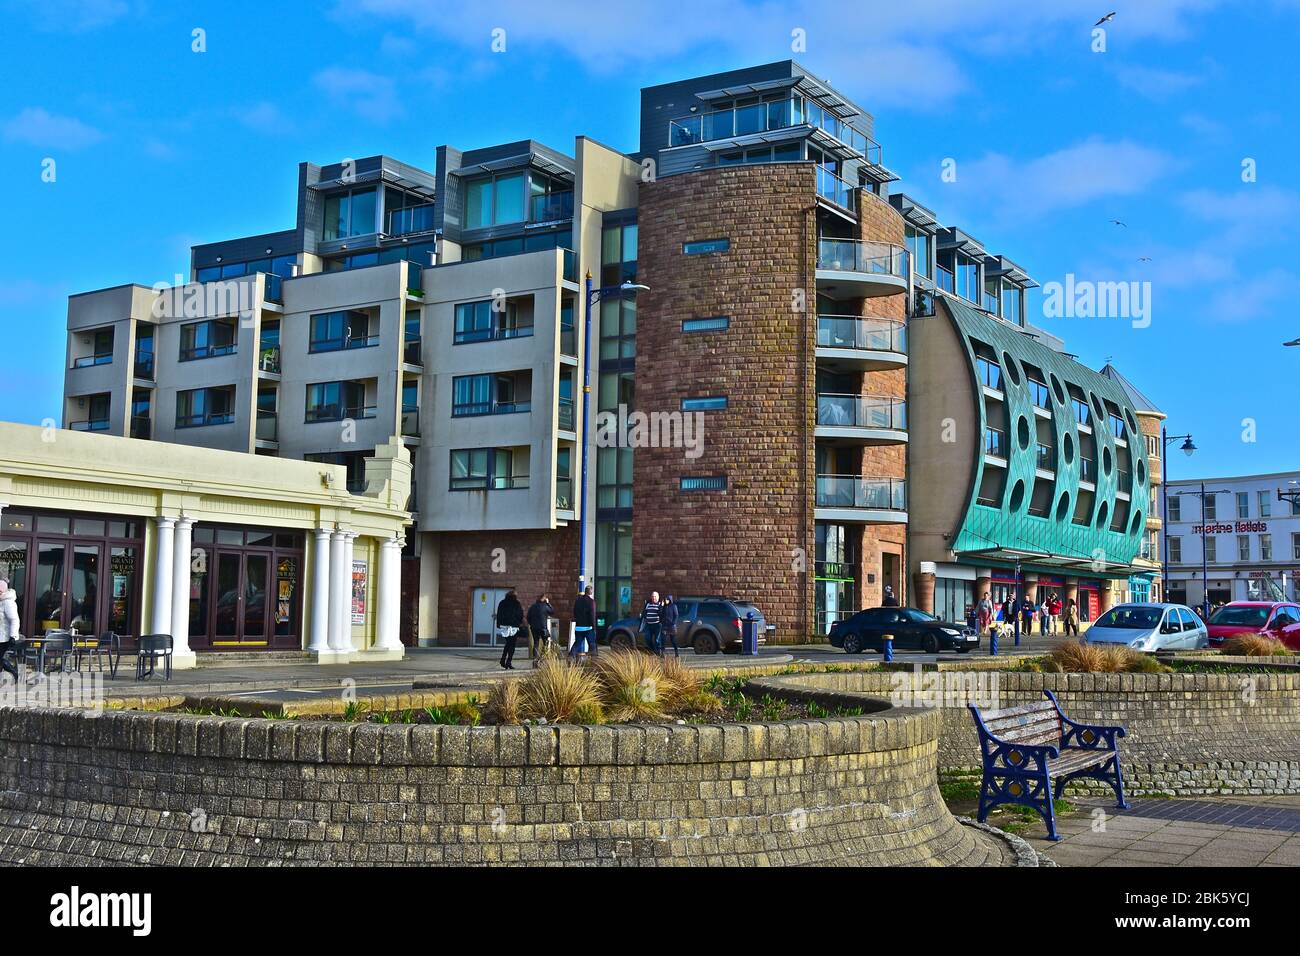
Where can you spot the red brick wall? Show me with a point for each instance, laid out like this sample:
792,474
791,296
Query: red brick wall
535,561
755,540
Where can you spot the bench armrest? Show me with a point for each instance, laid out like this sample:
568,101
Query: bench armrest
1080,736
996,750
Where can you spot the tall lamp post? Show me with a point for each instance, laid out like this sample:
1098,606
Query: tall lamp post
593,296
1188,446
1205,558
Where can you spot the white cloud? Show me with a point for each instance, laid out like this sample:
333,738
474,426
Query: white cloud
265,117
38,127
1258,297
72,16
369,95
1155,83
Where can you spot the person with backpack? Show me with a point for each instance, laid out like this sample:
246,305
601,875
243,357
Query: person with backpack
652,624
584,625
668,616
510,618
539,633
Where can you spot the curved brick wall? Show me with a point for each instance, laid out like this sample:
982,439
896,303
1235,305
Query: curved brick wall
1187,733
134,787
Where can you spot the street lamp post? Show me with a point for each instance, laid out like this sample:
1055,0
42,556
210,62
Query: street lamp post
593,296
1188,447
1205,558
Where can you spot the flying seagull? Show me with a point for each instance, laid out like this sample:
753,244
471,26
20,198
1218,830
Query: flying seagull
1144,258
1118,223
1292,342
1106,18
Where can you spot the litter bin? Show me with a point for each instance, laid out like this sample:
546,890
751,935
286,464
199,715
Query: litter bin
749,635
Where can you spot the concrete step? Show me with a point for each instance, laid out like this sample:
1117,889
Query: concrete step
250,658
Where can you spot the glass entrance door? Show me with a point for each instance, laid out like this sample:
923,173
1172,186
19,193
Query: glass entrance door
67,588
241,592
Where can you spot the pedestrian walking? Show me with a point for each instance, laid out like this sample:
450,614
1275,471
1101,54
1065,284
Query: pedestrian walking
984,613
9,626
668,617
1027,609
890,600
584,625
539,626
1055,611
510,618
1044,616
652,625
1070,617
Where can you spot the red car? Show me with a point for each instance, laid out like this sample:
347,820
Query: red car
1269,618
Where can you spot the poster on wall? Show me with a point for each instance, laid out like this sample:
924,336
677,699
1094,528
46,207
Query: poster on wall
358,592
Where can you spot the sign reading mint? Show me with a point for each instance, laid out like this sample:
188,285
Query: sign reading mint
705,246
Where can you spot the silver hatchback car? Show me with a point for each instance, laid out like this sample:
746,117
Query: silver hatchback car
1150,627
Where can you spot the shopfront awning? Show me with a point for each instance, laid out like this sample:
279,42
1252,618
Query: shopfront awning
1032,558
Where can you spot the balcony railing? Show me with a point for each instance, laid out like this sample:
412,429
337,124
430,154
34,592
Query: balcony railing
144,365
989,373
402,222
493,334
411,421
1087,470
89,361
861,411
269,360
943,278
566,414
848,491
91,425
415,278
411,351
1118,429
348,341
267,425
471,409
1046,458
564,494
995,442
856,332
206,418
856,255
336,413
765,117
551,207
830,187
206,351
507,482
274,288
990,303
141,427
568,340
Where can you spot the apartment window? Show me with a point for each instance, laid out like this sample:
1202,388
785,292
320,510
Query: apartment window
1153,446
1117,427
205,406
1265,505
200,340
918,245
487,395
704,482
102,349
1175,508
618,254
494,200
1176,549
1211,549
1295,546
1243,505
717,323
618,328
1210,507
549,199
406,213
1266,547
713,403
1039,393
334,331
481,469
989,372
1082,411
141,412
1013,308
351,213
97,409
336,401
705,246
479,322
144,351
968,278
1243,547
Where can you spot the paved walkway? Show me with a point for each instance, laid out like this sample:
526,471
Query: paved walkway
1202,831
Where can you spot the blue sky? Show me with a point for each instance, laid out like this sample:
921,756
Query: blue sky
158,146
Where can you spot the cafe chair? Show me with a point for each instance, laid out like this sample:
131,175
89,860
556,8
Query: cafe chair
51,647
106,647
153,648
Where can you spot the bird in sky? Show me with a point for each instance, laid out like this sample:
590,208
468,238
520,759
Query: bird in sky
1118,223
1144,258
1105,19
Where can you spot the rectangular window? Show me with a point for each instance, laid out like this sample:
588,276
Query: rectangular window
102,350
717,323
336,401
481,469
1013,304
479,322
704,483
1265,505
705,246
1175,550
490,202
1243,505
350,214
918,245
200,340
1210,508
1211,549
205,406
714,403
1243,547
334,331
1175,508
1266,547
486,395
1295,546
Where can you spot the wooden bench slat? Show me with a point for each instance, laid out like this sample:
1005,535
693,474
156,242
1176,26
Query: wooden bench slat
1022,721
1045,706
1072,760
1033,735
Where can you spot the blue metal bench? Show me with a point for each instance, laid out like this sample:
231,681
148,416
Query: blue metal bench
1026,748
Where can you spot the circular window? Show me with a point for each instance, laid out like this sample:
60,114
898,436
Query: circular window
1132,425
1105,460
1101,515
1057,390
1063,507
1017,496
1137,524
1010,367
1022,432
1142,472
1068,445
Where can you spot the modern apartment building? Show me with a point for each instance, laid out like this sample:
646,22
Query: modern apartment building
1241,543
782,290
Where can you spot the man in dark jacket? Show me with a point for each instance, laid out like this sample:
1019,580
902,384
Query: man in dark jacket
890,600
510,618
584,624
668,618
539,614
651,626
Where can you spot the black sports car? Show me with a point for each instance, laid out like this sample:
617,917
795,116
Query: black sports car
910,628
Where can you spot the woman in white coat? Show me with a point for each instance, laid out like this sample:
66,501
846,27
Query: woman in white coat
8,626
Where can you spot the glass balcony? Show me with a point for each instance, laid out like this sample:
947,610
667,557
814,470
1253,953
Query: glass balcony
570,265
855,255
566,414
269,359
144,365
471,409
568,340
411,421
411,351
830,187
206,351
551,207
267,425
861,411
507,482
347,341
92,425
1046,458
403,222
995,442
274,290
765,117
989,373
141,427
336,413
89,361
1118,428
990,303
415,278
943,278
857,332
849,491
564,494
1087,470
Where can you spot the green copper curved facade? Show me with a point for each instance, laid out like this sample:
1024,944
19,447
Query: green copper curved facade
1056,540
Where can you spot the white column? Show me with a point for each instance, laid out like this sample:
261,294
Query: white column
338,605
388,596
320,592
180,626
164,547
